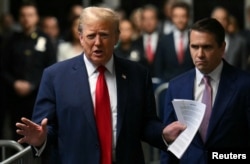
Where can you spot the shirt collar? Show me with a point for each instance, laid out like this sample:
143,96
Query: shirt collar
177,33
214,75
91,68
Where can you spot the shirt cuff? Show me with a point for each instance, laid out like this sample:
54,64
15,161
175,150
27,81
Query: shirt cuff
167,145
40,150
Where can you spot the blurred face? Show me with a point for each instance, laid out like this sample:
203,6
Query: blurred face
136,19
205,52
180,18
7,21
74,29
50,27
149,21
76,10
222,16
98,40
28,17
167,10
126,30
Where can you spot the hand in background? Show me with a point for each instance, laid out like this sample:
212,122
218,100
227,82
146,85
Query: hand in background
33,133
22,87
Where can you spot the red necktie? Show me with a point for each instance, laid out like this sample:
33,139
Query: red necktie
181,50
149,51
103,117
206,99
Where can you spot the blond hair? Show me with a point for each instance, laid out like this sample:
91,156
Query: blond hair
98,14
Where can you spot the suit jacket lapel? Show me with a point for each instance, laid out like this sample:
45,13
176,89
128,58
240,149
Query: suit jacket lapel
172,48
122,92
81,77
221,101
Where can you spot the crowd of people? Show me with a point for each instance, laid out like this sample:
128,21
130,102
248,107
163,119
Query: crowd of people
41,68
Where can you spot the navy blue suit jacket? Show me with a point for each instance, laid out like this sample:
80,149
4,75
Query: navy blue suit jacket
229,127
167,66
64,98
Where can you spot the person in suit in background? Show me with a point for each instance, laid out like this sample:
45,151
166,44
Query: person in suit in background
146,46
174,56
236,50
124,46
246,34
135,18
66,114
229,121
50,26
70,47
166,25
25,56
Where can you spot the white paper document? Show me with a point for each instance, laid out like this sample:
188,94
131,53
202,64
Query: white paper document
189,113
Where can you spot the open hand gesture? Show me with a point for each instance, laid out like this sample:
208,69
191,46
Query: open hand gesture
32,133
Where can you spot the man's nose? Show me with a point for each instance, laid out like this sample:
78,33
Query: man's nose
97,40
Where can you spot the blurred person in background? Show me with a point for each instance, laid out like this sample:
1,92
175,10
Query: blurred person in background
135,18
71,47
74,11
124,46
233,26
246,34
174,55
8,26
25,56
236,50
121,13
50,26
166,25
147,44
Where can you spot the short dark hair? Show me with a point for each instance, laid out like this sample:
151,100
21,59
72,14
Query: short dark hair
183,5
210,25
152,8
28,4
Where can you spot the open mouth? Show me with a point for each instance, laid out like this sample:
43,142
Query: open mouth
98,52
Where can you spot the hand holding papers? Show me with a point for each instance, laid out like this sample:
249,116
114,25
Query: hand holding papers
190,113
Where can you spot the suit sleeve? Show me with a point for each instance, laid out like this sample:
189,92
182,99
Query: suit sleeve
168,117
45,106
153,126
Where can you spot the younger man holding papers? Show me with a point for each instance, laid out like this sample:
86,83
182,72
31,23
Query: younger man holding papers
228,127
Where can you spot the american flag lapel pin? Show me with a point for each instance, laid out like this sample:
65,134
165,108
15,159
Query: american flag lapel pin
124,76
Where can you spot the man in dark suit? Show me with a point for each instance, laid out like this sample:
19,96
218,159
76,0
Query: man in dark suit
145,48
229,123
174,56
25,55
66,121
236,45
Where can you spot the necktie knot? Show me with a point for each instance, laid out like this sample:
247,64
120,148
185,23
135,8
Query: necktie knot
101,69
206,79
